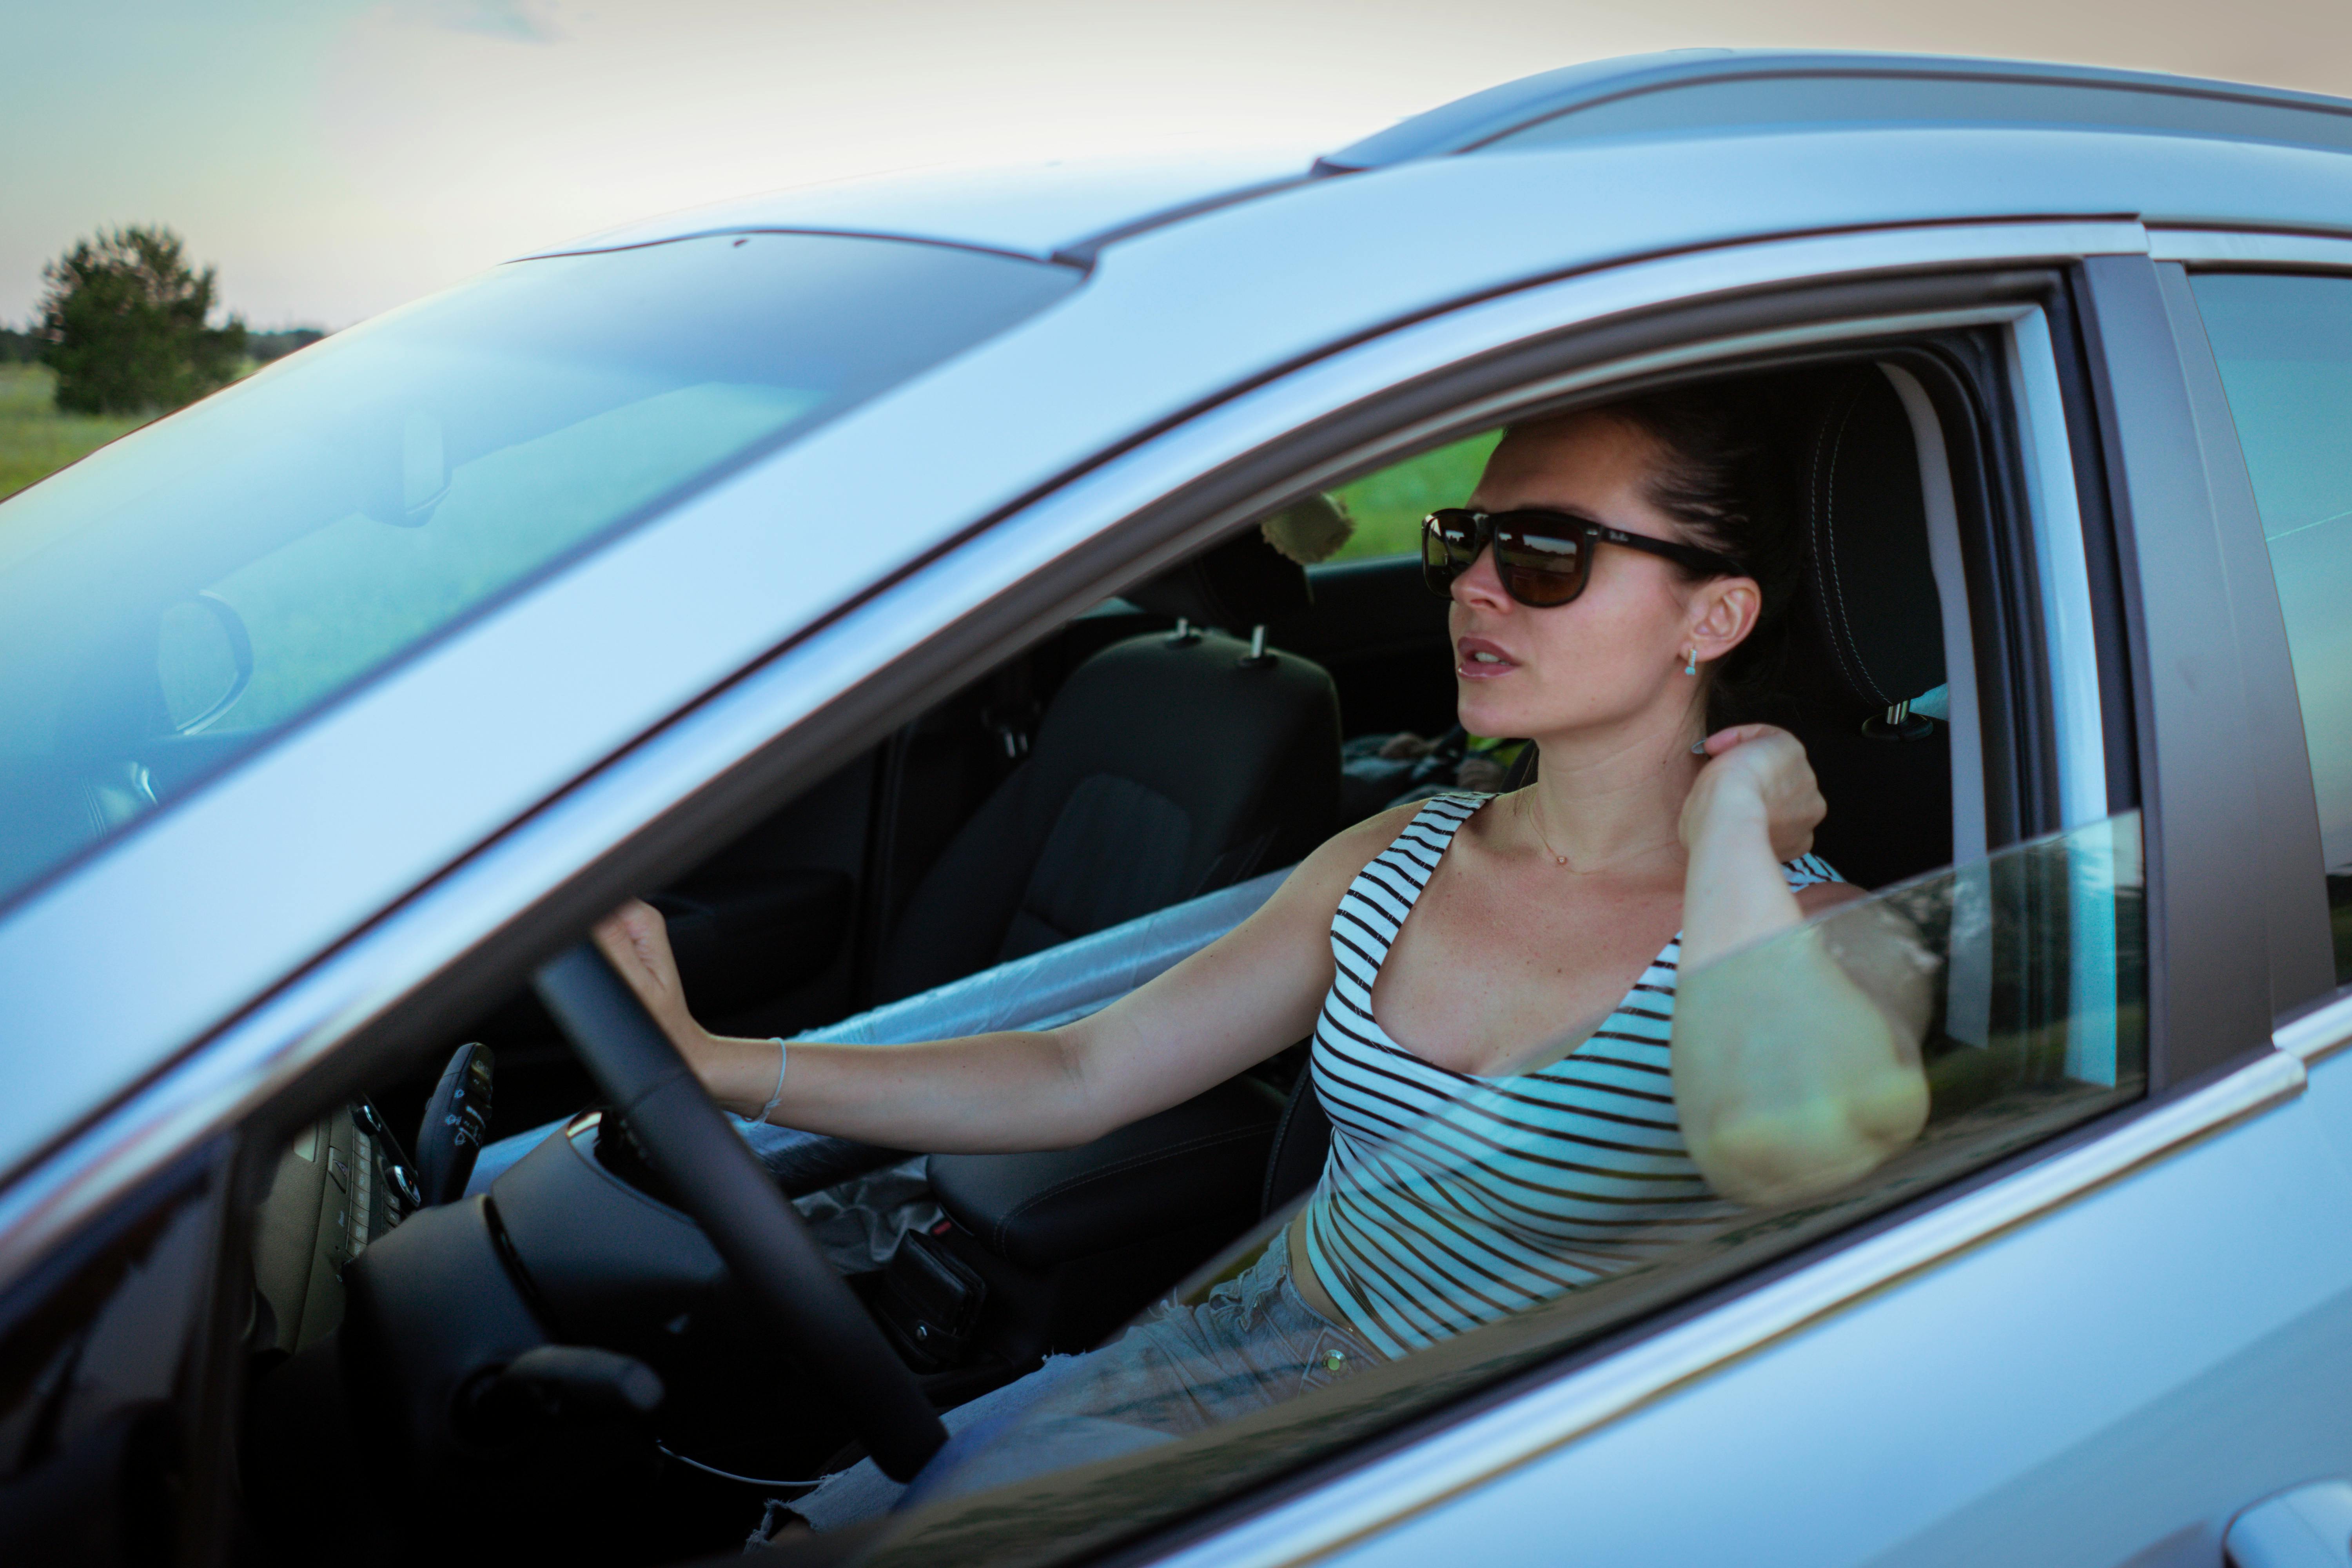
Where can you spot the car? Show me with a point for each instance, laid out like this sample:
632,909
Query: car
885,579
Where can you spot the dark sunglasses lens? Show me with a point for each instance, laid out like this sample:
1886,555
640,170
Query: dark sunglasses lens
1448,545
1540,567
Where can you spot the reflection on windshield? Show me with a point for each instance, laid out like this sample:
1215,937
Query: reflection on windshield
2022,977
173,600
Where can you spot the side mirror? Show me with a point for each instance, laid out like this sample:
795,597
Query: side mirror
204,660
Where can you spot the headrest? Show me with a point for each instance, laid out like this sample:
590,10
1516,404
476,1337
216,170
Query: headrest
1238,584
1868,575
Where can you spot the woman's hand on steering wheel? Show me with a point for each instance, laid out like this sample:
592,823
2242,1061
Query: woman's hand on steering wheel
634,940
739,1074
1760,769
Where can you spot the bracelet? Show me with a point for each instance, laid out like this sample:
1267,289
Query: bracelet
768,1109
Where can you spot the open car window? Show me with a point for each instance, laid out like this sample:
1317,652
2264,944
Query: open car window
2023,975
1387,504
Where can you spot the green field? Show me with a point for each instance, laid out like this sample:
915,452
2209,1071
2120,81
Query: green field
1387,505
35,440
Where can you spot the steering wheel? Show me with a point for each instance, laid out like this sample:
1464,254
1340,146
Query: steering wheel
724,1189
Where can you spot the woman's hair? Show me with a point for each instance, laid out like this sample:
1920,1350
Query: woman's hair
1721,478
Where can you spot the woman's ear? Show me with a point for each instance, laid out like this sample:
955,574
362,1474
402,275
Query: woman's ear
1723,613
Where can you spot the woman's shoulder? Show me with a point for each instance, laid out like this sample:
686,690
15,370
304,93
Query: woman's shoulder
1369,838
1343,856
1352,849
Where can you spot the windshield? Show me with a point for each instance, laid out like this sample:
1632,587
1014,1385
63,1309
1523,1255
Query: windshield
179,596
2021,979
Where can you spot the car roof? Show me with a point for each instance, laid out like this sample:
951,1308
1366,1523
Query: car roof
1698,92
1068,210
1044,211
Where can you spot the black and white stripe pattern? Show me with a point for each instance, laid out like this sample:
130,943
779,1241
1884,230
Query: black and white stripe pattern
1450,1200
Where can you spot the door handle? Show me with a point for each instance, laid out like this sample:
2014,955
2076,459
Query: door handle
2310,1527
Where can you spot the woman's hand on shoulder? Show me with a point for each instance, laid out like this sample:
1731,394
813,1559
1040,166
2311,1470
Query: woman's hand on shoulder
1757,770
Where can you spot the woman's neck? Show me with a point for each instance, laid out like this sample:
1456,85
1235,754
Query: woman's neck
1603,799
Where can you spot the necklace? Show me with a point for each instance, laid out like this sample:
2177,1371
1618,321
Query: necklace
1537,816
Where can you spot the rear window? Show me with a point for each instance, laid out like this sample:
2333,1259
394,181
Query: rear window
2283,345
178,597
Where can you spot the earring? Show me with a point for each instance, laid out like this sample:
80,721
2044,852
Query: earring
1690,662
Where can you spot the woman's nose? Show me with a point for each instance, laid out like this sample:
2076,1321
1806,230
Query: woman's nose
1481,587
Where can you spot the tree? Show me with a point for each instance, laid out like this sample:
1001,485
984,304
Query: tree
124,324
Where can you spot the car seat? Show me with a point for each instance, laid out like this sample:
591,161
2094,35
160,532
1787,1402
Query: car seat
1167,766
1869,639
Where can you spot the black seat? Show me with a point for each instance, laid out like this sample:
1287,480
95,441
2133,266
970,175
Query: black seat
1167,766
1871,638
1302,1142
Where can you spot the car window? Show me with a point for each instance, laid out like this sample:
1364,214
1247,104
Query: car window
173,599
1387,505
2042,948
101,1349
2284,347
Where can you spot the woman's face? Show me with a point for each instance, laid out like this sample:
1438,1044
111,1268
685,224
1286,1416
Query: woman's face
1613,656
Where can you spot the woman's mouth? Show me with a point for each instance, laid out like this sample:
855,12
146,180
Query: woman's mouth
1480,659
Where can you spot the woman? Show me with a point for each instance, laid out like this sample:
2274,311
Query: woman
1611,562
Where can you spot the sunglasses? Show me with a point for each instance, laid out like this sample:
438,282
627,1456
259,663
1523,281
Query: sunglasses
1544,558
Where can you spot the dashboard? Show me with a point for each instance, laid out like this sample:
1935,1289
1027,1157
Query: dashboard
340,1185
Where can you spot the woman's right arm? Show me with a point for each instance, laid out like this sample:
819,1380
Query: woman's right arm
1246,996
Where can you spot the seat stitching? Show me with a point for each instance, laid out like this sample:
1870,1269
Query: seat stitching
1837,582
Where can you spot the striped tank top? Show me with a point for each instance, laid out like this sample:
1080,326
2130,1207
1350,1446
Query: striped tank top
1450,1200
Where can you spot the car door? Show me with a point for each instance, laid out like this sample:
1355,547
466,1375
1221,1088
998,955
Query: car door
2107,1354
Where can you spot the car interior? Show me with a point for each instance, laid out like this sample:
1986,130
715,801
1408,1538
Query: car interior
1177,745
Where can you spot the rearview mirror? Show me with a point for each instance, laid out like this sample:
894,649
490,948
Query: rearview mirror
203,660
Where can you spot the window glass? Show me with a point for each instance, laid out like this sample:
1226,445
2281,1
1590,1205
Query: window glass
1387,506
95,1370
177,597
2284,346
2021,978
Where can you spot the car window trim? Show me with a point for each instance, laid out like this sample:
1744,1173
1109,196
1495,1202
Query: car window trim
512,899
2318,1033
2248,250
2061,570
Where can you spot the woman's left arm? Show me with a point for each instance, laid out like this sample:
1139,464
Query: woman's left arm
1789,1080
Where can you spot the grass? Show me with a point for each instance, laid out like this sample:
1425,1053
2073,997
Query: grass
35,439
1388,506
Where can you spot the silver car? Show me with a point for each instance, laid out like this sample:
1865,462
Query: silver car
884,579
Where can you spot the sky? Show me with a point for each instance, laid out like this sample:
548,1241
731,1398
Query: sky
335,157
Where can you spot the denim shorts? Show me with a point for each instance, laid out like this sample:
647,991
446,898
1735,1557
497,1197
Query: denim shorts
1252,1343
